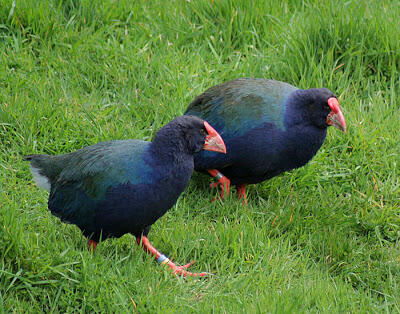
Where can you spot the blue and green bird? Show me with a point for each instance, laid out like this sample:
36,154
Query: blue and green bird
268,127
118,187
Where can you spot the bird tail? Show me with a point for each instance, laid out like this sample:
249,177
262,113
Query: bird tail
38,165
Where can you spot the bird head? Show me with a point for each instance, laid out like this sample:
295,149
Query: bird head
323,108
199,135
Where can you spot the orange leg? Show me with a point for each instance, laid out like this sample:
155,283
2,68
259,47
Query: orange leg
241,192
223,183
92,245
162,259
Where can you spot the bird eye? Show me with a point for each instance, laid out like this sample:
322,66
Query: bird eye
203,132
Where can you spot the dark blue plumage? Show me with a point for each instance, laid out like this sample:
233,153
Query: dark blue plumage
268,127
119,187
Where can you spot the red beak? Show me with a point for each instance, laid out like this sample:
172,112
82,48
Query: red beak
214,141
335,117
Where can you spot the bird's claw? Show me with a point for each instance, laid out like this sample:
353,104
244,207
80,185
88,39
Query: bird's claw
241,193
92,245
224,184
186,266
181,271
164,260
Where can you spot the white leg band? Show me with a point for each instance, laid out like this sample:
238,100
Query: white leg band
219,176
162,259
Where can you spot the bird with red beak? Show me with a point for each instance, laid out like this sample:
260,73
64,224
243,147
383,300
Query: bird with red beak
268,126
118,187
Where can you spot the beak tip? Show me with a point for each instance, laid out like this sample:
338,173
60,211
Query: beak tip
214,141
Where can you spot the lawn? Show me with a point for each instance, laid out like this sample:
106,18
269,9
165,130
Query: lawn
322,238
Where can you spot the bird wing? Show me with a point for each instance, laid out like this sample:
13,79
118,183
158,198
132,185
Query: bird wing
88,173
235,107
104,164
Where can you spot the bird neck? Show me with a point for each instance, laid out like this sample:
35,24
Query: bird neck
296,111
170,148
172,161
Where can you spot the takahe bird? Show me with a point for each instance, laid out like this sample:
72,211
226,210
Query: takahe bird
118,187
268,127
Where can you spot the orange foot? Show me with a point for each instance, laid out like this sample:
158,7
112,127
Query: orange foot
162,259
241,192
92,245
223,183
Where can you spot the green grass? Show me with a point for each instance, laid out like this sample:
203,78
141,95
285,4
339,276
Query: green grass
323,238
